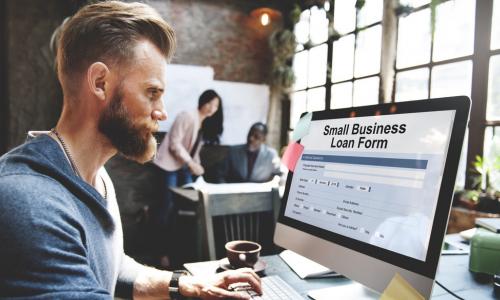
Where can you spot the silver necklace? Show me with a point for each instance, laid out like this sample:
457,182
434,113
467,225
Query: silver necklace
72,162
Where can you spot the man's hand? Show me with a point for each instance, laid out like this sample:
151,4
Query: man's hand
216,286
195,168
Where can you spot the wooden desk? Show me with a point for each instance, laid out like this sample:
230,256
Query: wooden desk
453,273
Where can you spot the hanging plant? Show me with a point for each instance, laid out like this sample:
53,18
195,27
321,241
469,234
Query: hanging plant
294,14
282,77
403,10
433,7
282,44
359,4
333,34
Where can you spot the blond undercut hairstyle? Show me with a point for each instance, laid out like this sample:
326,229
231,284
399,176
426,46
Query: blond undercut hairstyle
108,32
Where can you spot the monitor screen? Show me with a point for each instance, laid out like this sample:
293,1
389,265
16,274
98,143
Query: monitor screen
374,179
371,192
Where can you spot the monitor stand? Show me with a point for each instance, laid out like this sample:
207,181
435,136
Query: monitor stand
352,290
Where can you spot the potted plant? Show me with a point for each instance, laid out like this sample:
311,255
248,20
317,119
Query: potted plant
483,200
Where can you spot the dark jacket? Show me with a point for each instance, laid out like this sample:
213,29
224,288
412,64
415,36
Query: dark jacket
266,165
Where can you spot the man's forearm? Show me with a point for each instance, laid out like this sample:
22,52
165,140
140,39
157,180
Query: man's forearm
152,284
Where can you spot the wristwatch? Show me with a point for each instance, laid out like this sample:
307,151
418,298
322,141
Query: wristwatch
173,286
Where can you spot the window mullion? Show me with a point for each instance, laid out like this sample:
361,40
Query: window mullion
388,52
479,92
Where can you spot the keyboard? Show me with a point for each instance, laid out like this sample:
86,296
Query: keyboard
274,288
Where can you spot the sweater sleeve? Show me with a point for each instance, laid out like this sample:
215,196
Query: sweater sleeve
182,125
43,255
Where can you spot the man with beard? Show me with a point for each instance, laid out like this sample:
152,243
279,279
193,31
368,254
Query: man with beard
60,228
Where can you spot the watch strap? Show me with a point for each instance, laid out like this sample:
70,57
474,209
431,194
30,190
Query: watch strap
173,286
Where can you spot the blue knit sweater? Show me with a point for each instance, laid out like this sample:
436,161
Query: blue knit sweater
59,239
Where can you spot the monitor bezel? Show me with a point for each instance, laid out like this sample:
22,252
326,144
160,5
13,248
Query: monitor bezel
461,106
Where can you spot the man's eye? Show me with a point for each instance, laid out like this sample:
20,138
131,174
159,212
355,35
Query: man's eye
153,94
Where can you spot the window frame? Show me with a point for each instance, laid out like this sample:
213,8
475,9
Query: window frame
329,42
480,59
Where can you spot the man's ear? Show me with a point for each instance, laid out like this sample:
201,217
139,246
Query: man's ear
98,76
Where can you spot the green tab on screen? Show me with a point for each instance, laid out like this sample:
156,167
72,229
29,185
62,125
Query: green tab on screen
302,127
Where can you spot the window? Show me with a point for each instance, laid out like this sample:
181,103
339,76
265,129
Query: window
310,63
355,65
412,84
355,57
492,132
453,57
442,66
449,72
495,27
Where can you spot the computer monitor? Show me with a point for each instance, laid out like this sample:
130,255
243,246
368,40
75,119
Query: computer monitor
371,193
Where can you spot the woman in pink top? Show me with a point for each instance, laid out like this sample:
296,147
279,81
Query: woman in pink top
178,155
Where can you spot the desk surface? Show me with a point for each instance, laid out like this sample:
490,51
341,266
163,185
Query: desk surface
452,273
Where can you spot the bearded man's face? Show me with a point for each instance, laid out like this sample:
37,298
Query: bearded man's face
134,139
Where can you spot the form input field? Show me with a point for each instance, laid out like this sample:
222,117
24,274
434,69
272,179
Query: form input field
414,174
412,183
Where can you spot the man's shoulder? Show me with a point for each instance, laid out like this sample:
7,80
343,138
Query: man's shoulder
27,157
32,192
186,115
237,149
184,120
270,151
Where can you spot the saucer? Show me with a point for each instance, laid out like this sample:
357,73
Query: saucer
258,267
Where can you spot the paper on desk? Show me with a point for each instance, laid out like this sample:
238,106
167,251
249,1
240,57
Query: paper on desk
204,268
399,288
230,188
292,155
305,267
302,127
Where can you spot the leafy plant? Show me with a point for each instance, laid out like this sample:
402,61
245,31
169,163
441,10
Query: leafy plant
360,3
483,168
403,10
283,44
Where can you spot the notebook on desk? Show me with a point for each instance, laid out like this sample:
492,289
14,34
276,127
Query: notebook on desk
492,224
306,268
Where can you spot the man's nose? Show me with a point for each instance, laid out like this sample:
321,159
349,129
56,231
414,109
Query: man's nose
159,112
159,115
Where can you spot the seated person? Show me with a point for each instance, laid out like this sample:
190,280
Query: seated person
253,161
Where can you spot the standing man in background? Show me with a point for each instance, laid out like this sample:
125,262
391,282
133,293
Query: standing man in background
60,227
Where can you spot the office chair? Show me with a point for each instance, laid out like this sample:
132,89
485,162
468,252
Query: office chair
237,216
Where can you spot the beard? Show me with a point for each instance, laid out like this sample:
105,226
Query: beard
134,141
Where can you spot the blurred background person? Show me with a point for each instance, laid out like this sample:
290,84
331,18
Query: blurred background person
212,126
178,155
253,161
